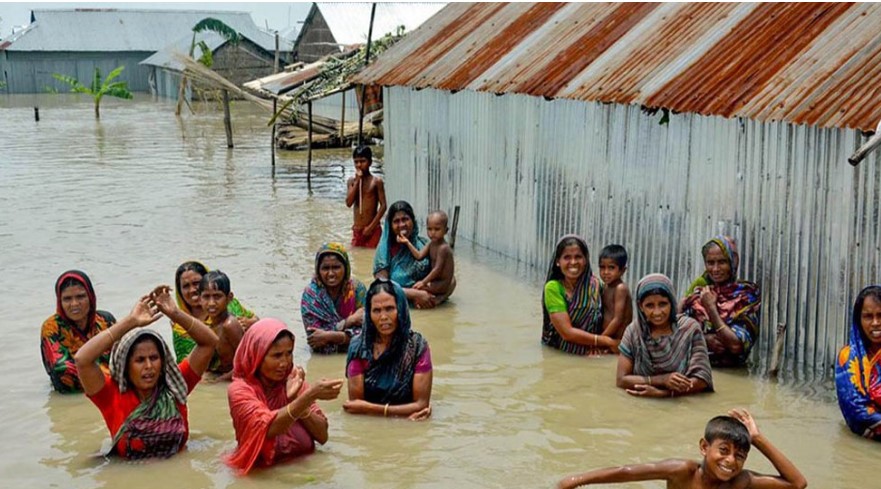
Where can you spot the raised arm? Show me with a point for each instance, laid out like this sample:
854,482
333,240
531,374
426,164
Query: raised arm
352,191
664,470
205,338
302,397
419,255
789,476
144,312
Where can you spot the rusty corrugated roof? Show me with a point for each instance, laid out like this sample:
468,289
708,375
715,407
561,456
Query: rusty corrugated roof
804,63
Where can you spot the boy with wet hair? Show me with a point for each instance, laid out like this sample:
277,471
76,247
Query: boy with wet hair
215,294
725,446
367,194
617,302
439,280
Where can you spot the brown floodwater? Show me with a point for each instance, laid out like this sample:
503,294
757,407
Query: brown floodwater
129,198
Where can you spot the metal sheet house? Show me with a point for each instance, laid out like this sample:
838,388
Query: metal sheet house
75,41
655,126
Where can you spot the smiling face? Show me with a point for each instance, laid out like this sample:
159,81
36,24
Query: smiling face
331,271
656,308
189,287
213,300
402,224
870,321
722,459
384,314
572,262
144,366
279,360
718,267
75,303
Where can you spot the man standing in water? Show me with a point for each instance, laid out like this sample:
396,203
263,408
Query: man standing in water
367,193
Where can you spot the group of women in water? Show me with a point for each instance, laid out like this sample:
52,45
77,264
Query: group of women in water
140,385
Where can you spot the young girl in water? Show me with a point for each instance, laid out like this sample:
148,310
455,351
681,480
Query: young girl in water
215,294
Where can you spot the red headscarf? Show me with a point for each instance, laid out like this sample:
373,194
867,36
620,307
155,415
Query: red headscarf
83,279
253,407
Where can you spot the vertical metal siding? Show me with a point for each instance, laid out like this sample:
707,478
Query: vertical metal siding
31,71
527,170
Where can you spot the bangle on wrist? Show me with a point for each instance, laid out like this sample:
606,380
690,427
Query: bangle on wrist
288,409
649,380
110,334
341,326
385,411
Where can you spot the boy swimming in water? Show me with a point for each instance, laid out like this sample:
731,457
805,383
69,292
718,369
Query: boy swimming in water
215,294
725,446
367,194
439,280
617,303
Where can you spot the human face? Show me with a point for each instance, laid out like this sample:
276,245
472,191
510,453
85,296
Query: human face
214,301
870,320
572,262
384,314
436,228
610,272
402,225
656,309
279,360
75,303
331,271
722,460
189,287
718,267
362,164
145,366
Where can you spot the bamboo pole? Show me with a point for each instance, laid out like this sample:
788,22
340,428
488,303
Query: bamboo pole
274,106
455,227
227,120
309,155
342,118
364,87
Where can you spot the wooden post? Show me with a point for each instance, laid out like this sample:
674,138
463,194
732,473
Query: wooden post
364,87
276,52
37,114
774,366
455,227
274,106
309,155
227,120
343,118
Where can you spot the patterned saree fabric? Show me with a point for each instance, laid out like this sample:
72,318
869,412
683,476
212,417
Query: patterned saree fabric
858,379
397,259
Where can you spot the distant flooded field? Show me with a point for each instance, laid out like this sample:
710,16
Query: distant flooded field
129,198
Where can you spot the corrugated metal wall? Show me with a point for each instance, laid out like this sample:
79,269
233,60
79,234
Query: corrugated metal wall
31,71
526,170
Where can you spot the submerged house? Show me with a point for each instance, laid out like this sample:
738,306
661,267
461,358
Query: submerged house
76,41
655,126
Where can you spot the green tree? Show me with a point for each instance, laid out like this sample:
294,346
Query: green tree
99,88
206,24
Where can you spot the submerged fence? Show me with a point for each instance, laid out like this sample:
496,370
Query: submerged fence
527,170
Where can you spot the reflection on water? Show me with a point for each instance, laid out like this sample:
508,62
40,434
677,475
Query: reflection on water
129,198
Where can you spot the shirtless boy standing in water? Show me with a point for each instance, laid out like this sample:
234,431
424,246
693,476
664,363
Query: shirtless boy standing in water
367,194
439,280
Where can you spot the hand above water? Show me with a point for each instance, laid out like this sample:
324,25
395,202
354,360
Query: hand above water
678,382
161,296
295,382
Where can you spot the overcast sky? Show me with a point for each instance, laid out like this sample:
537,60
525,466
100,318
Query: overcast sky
278,15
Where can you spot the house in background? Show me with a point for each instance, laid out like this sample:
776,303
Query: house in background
330,28
75,41
655,126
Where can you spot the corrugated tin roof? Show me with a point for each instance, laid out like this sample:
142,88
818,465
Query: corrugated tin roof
349,22
124,30
804,63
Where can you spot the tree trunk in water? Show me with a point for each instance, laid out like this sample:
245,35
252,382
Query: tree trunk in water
227,121
97,111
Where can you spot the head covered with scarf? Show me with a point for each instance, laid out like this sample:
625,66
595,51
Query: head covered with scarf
253,405
737,301
81,279
390,255
858,374
389,378
319,309
683,351
156,427
585,307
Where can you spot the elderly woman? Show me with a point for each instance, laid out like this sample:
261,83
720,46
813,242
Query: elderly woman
186,290
572,303
389,365
394,261
332,306
273,408
662,354
144,399
76,320
727,308
858,369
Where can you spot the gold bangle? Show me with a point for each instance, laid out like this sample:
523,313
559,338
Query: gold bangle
192,323
596,339
110,335
308,412
288,409
385,411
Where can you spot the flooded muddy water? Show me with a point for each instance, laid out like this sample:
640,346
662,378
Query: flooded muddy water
129,198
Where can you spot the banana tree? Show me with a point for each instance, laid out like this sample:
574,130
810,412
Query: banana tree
99,88
206,24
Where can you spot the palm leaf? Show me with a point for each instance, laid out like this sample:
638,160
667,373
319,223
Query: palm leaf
113,74
218,26
96,81
207,58
75,85
118,90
